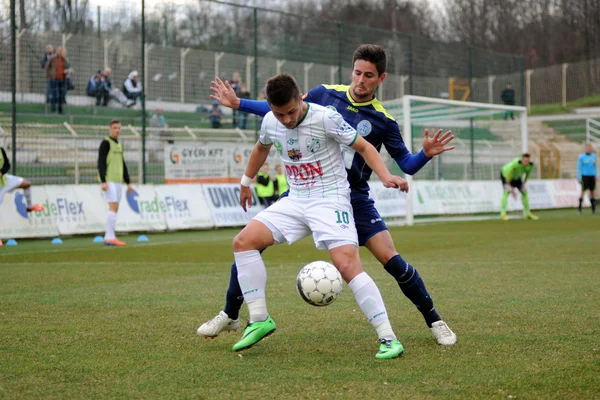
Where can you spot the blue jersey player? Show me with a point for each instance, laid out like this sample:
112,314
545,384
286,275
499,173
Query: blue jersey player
360,108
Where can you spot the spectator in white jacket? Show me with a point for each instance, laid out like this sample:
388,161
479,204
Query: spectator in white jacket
132,87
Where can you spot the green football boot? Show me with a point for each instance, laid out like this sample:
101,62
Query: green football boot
389,349
254,333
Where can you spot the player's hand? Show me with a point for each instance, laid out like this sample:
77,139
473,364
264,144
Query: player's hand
395,182
104,186
129,189
432,146
224,93
245,197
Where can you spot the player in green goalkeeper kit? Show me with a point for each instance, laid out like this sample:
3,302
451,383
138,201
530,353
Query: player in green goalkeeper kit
511,178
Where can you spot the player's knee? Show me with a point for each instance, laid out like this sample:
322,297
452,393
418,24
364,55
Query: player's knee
25,184
348,263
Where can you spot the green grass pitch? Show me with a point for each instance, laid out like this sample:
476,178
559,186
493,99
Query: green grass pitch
81,321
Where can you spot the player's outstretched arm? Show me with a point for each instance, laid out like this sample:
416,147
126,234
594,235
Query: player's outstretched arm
259,155
224,94
374,160
435,145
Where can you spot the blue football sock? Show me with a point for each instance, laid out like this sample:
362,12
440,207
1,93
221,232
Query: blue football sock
412,286
234,298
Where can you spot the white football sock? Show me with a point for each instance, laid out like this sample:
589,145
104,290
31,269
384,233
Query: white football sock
27,193
111,223
370,301
252,276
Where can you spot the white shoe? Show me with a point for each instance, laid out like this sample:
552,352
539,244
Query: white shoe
218,324
442,333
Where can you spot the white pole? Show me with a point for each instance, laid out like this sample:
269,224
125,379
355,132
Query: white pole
249,61
528,74
406,132
524,133
491,80
183,53
307,67
147,49
278,65
564,84
333,74
18,62
403,79
218,57
107,43
65,39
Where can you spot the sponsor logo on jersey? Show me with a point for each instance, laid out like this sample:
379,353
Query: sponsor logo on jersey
294,154
292,141
345,128
354,109
304,171
278,146
364,127
313,144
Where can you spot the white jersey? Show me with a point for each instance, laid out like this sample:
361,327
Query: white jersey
311,152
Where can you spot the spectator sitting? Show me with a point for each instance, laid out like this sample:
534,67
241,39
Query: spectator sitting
159,122
215,115
47,54
94,86
132,88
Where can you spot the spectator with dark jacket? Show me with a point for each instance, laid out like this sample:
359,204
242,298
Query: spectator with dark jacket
56,72
100,86
47,54
508,98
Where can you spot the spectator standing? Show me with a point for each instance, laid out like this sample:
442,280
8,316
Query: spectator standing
243,116
47,54
265,188
281,183
508,98
132,88
56,72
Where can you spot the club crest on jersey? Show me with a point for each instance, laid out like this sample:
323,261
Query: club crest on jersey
294,154
278,146
313,145
331,107
364,127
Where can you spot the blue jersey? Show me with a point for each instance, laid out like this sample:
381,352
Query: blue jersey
372,122
586,165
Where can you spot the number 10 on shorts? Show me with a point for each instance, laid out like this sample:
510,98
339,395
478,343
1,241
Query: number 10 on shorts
342,217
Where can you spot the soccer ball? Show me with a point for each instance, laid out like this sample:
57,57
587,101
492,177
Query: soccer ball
319,283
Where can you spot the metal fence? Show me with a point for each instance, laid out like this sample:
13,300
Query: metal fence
256,43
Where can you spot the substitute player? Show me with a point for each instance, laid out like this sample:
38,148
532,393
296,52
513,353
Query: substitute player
511,179
318,203
112,171
359,107
587,173
10,182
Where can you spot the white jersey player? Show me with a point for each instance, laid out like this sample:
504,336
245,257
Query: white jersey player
309,139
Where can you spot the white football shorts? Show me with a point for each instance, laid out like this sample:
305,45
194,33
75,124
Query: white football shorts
12,182
331,222
113,194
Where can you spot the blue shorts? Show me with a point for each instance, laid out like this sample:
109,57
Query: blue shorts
366,217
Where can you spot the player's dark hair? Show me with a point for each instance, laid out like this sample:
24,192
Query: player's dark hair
372,53
114,121
526,155
281,89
